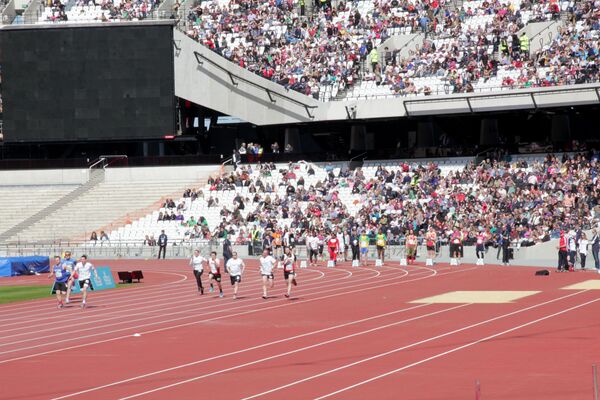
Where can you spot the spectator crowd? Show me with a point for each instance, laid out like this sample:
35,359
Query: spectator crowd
465,47
523,203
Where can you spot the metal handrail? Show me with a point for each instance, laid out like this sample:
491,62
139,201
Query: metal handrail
361,154
102,159
269,92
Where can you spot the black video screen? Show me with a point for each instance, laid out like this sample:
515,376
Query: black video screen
87,83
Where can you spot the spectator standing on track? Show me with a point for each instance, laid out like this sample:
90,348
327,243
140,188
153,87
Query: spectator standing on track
235,267
214,273
313,249
480,245
430,239
267,264
572,249
162,244
563,263
289,271
381,242
596,249
583,245
354,240
69,263
61,277
84,270
363,242
411,247
227,253
333,245
197,263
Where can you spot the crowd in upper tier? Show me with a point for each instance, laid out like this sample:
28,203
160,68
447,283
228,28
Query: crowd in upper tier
465,48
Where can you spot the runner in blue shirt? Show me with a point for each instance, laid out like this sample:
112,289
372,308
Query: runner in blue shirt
69,263
61,277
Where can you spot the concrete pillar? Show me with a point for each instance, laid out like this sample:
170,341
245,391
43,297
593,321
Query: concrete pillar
425,134
561,128
292,137
488,132
358,138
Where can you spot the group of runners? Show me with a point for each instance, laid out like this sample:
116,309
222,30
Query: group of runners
68,272
340,243
235,268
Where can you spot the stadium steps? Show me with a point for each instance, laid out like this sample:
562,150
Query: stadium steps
96,177
104,206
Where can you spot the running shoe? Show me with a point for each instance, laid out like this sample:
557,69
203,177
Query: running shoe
235,296
83,305
221,294
287,295
211,289
294,282
264,297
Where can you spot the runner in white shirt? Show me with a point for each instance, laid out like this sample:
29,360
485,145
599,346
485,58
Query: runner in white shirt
84,269
197,263
235,267
215,272
267,264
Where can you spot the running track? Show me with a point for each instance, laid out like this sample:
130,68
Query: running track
348,333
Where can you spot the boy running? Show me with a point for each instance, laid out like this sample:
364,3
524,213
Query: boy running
267,263
69,263
235,267
197,263
214,272
84,271
289,271
61,276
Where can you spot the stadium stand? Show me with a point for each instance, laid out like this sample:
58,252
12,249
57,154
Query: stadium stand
95,11
332,53
104,204
20,202
533,197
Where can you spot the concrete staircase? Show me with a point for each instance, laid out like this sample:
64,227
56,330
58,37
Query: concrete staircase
95,178
103,206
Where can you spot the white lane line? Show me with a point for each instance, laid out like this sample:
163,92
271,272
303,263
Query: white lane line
287,353
410,346
439,355
213,310
286,304
245,350
173,300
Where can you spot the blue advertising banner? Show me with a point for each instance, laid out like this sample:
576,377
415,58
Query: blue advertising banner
105,281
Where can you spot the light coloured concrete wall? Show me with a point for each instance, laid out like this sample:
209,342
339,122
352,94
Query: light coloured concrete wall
152,174
44,177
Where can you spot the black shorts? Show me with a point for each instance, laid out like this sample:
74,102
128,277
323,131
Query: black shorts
431,248
88,281
286,274
320,249
60,286
235,278
380,248
270,276
216,277
313,253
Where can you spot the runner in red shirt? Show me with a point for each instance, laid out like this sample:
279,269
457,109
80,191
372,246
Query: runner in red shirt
333,245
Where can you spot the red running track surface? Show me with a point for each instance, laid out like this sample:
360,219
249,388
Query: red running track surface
347,333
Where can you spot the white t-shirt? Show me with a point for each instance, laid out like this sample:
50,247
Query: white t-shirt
84,270
213,265
235,266
197,262
583,244
288,263
267,264
313,243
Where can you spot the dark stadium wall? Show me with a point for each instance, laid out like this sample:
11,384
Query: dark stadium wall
73,83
